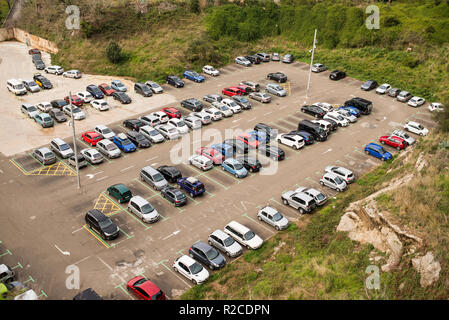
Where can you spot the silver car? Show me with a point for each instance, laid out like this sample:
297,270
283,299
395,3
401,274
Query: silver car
212,98
81,161
78,114
225,111
318,196
44,155
299,200
214,113
261,97
333,181
108,148
60,147
169,132
193,122
318,67
29,110
31,85
346,174
153,177
156,88
273,217
347,115
92,156
403,135
152,134
104,131
202,116
201,162
225,243
143,209
275,89
243,61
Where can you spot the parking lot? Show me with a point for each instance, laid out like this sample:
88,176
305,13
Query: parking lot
44,212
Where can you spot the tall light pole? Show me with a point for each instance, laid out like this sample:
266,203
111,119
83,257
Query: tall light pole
311,64
74,140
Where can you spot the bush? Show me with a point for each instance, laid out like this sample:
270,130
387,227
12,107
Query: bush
114,52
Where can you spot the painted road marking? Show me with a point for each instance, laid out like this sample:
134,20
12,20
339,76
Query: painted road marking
258,222
66,253
174,233
123,170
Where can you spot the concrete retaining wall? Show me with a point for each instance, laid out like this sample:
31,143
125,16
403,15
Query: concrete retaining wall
32,40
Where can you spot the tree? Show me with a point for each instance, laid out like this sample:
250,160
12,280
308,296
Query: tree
114,52
195,6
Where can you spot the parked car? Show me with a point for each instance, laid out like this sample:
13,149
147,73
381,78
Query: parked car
272,133
416,102
365,106
254,59
333,181
201,162
383,89
264,56
244,89
170,173
288,58
133,124
44,120
243,235
42,82
138,139
251,164
123,143
207,69
242,102
369,85
61,148
144,289
208,255
326,125
57,103
225,243
191,269
57,70
106,89
272,152
313,110
192,186
162,116
122,97
108,148
104,131
120,192
243,61
260,136
273,217
337,75
261,97
211,98
151,134
102,224
153,177
337,117
174,81
352,110
214,113
248,139
75,74
118,86
100,105
57,115
193,122
347,115
85,96
172,112
213,155
275,56
44,155
346,174
143,209
81,161
231,91
91,137
76,100
416,128
238,146
142,89
234,167
394,92
44,106
377,151
38,63
308,138
31,85
294,141
232,105
436,106
194,76
403,135
174,195
192,104
179,125
202,116
404,96
34,51
223,148
277,76
78,114
255,87
224,110
299,200
318,196
318,67
275,89
314,129
155,87
152,119
92,156
394,142
168,132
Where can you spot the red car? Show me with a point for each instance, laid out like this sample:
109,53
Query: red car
106,89
212,154
172,112
249,140
76,101
34,51
244,89
394,142
231,91
145,289
91,137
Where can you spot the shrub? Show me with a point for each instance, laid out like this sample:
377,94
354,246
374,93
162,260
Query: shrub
114,52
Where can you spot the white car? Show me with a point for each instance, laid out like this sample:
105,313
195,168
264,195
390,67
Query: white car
155,87
104,131
333,181
337,117
243,235
178,124
151,120
143,209
417,128
324,124
347,115
416,102
346,174
211,71
436,106
201,162
44,106
325,106
29,110
318,196
225,111
76,74
168,132
202,116
163,118
243,61
384,88
108,148
191,269
100,105
85,96
31,85
152,134
214,113
318,67
273,217
78,114
292,140
193,122
92,156
232,105
54,70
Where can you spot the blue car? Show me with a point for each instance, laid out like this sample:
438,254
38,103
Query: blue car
117,85
95,91
192,186
123,143
44,120
224,149
378,151
194,76
260,136
234,167
352,110
308,138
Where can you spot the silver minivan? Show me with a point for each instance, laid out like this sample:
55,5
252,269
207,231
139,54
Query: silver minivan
153,177
143,209
225,243
61,148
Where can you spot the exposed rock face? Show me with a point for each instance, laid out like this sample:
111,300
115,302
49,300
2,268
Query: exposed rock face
428,268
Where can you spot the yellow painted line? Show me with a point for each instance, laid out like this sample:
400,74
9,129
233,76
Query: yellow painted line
18,167
85,227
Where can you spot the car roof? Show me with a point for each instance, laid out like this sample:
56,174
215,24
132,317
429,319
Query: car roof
186,260
122,135
97,214
270,210
44,150
121,187
202,246
220,234
238,226
413,123
138,200
59,141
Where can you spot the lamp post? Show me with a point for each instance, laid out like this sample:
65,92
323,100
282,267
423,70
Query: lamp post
311,64
74,141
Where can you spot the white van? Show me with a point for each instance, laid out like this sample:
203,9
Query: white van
15,86
243,235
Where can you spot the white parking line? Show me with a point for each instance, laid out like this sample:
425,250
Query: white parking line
126,168
152,158
252,119
267,113
102,178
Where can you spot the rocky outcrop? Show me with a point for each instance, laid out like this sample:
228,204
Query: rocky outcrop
428,268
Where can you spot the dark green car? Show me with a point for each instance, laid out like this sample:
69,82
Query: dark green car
120,192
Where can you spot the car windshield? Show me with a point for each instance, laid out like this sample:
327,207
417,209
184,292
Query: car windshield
106,131
264,95
251,139
104,103
119,84
64,147
48,155
96,156
181,124
105,223
212,254
243,100
147,208
249,235
158,177
32,83
320,196
338,180
76,110
383,87
277,216
58,113
228,241
140,138
32,108
196,268
126,142
224,108
420,127
238,166
111,147
153,133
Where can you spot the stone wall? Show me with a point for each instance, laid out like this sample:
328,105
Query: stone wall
32,40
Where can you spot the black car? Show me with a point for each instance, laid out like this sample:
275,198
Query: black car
143,89
277,76
337,75
208,255
175,81
308,138
122,97
95,91
237,145
42,81
365,106
254,59
138,139
133,124
99,222
58,115
250,163
334,124
192,104
313,128
58,103
272,152
315,111
88,294
267,129
242,102
174,195
369,85
171,174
